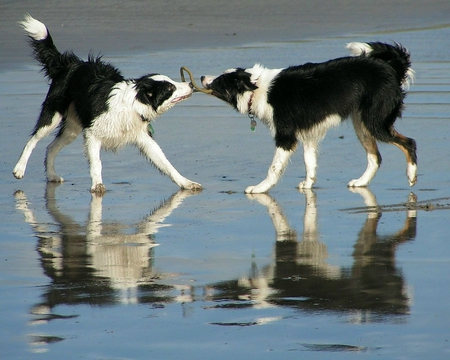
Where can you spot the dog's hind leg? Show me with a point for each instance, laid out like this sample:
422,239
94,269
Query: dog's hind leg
408,146
276,169
70,129
46,124
151,150
373,155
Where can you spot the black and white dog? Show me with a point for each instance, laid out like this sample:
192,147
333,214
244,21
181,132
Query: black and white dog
94,98
303,102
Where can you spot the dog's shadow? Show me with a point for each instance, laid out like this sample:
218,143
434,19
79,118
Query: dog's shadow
303,276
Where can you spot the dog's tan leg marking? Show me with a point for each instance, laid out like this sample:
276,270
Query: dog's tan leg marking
373,155
408,146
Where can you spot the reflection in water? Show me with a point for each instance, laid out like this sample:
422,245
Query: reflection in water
97,263
371,290
101,263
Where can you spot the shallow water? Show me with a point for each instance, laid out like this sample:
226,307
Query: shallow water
151,272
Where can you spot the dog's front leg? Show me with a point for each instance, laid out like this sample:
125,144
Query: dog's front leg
276,169
151,150
310,158
93,147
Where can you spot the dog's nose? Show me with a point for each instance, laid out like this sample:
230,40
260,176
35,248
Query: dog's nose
202,78
191,85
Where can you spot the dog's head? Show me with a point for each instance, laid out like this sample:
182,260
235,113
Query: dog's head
232,86
160,92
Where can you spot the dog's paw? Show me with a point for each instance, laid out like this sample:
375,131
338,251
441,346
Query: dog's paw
357,183
98,189
18,172
411,173
255,190
191,185
412,182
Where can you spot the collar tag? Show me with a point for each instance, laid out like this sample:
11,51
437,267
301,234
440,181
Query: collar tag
251,115
150,129
252,122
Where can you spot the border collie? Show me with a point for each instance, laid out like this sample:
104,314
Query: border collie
300,103
94,98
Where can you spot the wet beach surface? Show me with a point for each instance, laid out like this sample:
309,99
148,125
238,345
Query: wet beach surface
150,272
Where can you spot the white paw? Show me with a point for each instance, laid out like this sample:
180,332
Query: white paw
55,178
357,183
18,172
411,173
191,185
255,190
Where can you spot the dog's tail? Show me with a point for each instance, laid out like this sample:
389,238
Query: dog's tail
395,55
44,51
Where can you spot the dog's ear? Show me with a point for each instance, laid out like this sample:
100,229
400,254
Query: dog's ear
252,86
244,84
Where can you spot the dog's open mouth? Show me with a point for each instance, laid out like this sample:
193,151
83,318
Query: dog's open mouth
181,98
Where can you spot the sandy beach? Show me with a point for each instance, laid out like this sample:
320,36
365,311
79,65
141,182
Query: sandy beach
151,272
112,27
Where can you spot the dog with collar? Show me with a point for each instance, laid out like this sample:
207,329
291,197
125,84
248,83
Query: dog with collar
300,103
94,98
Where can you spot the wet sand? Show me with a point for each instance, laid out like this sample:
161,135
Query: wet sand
138,26
148,271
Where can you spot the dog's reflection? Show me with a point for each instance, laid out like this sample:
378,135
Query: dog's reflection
371,289
102,263
97,262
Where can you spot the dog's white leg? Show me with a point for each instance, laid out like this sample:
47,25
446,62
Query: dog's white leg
151,150
373,155
310,157
93,147
276,169
371,170
44,131
67,135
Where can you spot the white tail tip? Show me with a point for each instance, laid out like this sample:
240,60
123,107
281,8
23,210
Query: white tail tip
358,48
34,28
